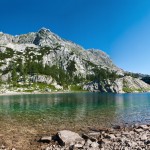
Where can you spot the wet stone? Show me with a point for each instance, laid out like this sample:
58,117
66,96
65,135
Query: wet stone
46,139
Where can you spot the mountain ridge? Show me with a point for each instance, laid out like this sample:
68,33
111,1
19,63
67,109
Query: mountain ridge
40,57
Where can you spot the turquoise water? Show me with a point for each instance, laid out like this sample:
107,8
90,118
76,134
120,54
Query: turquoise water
75,110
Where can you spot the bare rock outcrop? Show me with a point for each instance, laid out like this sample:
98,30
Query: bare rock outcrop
120,85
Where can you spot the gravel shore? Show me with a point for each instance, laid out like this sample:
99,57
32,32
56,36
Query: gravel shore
135,137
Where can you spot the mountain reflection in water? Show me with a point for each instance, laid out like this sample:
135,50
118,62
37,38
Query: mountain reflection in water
82,109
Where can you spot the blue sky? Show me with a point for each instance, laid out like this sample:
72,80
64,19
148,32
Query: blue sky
121,28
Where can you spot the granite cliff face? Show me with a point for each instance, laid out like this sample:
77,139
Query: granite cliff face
121,85
45,57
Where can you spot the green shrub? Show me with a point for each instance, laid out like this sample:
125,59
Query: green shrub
127,90
75,88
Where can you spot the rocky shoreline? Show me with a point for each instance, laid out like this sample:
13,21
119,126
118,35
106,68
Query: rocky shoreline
135,137
116,138
35,92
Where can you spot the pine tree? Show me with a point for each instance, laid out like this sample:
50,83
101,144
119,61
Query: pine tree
14,75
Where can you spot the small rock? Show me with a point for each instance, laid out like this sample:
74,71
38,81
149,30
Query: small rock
134,144
94,134
138,130
85,136
125,133
46,139
2,147
128,143
48,148
110,136
140,143
78,145
105,141
118,139
118,135
131,132
126,148
143,137
144,127
94,145
88,142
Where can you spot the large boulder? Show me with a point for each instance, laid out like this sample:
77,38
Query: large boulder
66,137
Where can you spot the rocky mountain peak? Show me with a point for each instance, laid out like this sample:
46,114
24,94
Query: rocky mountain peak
5,38
44,30
64,51
44,37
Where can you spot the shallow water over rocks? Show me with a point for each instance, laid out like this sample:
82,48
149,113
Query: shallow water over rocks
75,109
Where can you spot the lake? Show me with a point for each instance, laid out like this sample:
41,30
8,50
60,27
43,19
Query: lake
76,111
